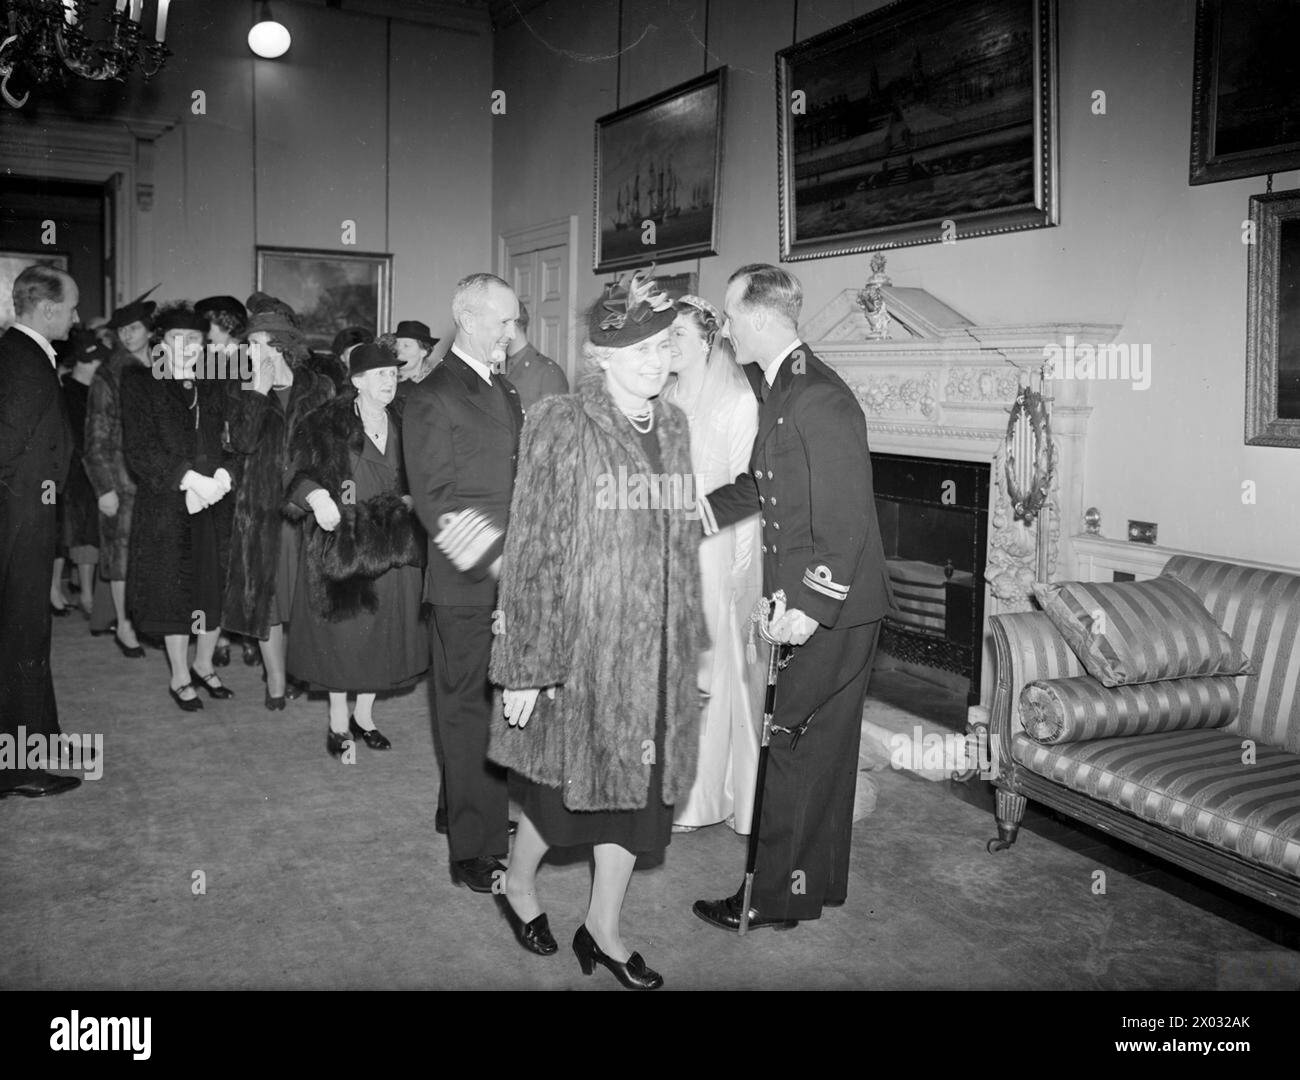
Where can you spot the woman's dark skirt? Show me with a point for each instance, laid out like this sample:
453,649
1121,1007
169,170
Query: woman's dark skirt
641,832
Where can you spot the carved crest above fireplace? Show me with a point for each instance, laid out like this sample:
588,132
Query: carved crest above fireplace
940,385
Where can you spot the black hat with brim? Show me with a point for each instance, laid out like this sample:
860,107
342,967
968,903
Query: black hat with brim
631,310
368,356
228,304
416,330
139,310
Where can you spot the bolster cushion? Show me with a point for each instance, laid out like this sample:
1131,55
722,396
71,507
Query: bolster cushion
1140,631
1078,709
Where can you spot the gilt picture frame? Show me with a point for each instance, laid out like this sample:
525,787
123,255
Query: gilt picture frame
329,290
890,135
1245,90
658,177
1273,322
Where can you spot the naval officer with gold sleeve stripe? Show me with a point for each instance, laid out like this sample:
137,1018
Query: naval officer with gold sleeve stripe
809,480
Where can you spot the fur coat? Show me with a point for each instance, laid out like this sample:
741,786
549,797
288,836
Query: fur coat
106,463
373,536
582,605
259,438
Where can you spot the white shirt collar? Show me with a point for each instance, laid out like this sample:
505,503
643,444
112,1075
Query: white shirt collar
40,340
770,373
484,371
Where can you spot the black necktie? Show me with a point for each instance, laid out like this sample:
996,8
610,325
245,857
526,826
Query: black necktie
764,390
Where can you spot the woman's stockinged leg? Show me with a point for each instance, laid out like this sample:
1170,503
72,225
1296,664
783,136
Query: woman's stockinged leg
273,659
365,711
613,874
178,652
521,875
338,712
204,646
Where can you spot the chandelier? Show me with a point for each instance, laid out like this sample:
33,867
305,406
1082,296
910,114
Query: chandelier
45,40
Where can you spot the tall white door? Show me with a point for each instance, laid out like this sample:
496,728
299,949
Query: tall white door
538,263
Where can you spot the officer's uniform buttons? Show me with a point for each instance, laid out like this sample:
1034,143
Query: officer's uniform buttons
780,419
769,474
776,525
758,474
773,500
762,521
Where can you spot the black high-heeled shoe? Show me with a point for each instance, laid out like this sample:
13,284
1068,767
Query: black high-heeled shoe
221,656
275,704
127,651
632,972
535,936
60,612
252,653
372,737
221,693
187,704
336,743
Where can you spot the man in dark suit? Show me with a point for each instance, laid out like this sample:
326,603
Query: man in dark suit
461,441
35,453
810,480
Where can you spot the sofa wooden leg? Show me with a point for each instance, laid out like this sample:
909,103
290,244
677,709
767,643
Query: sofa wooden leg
1010,812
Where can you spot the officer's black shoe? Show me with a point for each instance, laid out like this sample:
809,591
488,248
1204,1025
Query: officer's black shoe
478,873
725,915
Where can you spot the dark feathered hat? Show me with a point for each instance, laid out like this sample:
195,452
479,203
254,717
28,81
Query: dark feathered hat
179,316
139,310
275,317
632,309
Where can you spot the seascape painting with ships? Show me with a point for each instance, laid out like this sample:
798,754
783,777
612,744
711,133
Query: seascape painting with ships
921,113
658,162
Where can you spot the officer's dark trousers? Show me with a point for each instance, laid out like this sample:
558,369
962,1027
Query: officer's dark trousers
807,825
28,534
475,791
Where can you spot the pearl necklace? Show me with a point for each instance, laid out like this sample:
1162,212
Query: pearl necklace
636,420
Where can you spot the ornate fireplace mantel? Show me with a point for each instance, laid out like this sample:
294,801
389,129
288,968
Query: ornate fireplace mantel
941,386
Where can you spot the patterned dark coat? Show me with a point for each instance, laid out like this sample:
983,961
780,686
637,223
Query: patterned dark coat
158,441
582,605
106,463
260,432
372,537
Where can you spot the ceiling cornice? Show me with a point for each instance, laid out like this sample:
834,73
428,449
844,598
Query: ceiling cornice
467,16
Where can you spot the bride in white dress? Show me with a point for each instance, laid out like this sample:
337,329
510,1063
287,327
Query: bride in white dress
723,415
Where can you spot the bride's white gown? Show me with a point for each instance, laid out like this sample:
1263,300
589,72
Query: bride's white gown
723,424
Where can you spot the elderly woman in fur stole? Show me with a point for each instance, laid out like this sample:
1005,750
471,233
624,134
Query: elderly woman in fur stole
600,608
264,546
356,608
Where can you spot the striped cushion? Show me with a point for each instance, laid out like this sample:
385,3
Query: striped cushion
1191,782
1071,710
1261,609
1140,631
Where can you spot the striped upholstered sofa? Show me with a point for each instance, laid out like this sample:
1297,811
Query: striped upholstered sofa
1223,802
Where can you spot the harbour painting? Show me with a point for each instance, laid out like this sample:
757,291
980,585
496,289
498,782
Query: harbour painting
926,121
658,172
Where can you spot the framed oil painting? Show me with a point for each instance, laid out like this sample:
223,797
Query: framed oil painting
658,177
1273,322
923,122
329,290
13,263
1245,89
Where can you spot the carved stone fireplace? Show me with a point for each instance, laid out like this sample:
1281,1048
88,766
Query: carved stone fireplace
941,386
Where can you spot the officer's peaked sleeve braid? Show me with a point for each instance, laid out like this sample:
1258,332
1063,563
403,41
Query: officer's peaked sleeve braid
834,435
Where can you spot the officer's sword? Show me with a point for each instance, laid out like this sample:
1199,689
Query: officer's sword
774,666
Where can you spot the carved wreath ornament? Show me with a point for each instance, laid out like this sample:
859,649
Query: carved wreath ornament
1031,457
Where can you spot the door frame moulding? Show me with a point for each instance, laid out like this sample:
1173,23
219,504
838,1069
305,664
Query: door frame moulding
61,148
555,233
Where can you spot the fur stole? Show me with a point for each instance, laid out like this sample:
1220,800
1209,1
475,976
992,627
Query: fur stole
373,536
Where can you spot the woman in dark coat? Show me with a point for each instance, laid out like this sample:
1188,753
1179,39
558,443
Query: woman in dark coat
356,607
106,464
264,546
600,606
77,504
171,435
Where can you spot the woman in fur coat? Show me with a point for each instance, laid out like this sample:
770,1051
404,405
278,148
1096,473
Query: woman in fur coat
264,546
356,607
171,436
600,608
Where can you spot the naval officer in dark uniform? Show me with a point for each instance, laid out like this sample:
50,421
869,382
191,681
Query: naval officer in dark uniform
810,480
